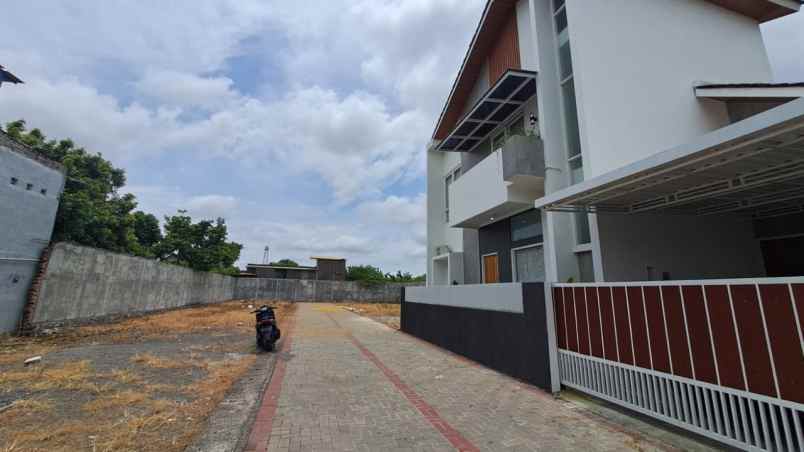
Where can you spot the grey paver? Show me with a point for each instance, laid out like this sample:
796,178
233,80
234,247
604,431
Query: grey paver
334,398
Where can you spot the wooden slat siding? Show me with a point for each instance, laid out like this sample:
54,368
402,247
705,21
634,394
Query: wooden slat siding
658,337
752,339
676,331
728,355
583,324
504,53
700,341
572,327
607,319
623,330
784,341
561,330
498,14
640,334
596,334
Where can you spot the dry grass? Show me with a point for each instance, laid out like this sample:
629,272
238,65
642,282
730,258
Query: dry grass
387,313
149,360
375,309
127,412
125,377
74,376
122,399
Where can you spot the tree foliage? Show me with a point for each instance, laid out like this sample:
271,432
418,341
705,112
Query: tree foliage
93,213
285,263
200,246
369,273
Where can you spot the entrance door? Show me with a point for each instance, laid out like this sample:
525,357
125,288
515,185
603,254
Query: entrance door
491,272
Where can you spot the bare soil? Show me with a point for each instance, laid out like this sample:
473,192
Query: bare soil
145,384
387,313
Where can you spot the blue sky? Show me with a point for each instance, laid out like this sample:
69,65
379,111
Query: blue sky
304,124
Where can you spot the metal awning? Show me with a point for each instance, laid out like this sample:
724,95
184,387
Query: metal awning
513,89
753,167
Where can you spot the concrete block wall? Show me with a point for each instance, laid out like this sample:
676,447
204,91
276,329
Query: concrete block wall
84,283
316,291
80,283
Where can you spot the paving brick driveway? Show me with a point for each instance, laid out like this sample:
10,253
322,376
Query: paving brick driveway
349,383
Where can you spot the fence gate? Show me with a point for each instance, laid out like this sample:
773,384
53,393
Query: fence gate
722,358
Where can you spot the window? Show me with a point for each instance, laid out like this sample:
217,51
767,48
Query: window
451,177
528,263
517,127
526,225
29,187
498,142
447,183
582,234
586,267
14,181
571,128
43,191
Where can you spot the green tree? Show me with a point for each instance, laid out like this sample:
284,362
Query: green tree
200,246
365,273
147,232
91,211
285,263
404,277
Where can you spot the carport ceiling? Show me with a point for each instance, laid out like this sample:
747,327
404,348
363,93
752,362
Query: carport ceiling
753,167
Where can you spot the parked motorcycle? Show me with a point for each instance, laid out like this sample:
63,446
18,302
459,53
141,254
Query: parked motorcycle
267,330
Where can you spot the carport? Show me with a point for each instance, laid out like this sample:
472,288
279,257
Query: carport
741,186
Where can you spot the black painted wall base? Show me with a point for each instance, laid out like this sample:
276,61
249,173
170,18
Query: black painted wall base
514,344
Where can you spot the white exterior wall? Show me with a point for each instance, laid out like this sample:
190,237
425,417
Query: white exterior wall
635,65
439,164
687,247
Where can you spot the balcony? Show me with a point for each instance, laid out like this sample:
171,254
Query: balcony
506,182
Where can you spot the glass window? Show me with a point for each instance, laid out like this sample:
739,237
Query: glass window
498,142
576,170
585,267
517,127
571,119
565,59
529,264
447,183
582,234
526,225
561,21
558,4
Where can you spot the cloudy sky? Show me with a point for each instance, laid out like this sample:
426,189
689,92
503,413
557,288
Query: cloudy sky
303,123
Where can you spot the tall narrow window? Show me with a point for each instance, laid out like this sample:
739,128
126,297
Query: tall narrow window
447,183
571,127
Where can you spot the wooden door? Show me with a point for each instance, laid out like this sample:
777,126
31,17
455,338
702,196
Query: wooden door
491,273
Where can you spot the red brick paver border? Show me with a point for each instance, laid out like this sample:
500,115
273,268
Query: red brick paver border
429,413
260,433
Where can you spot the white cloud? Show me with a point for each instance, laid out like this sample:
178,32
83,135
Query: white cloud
212,206
183,89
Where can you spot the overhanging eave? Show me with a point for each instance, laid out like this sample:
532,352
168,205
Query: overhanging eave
495,107
755,167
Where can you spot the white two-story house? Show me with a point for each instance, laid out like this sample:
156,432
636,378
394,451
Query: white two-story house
617,140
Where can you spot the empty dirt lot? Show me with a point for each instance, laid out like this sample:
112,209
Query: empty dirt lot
147,383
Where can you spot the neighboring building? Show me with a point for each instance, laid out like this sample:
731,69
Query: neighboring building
30,186
327,268
552,140
330,268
